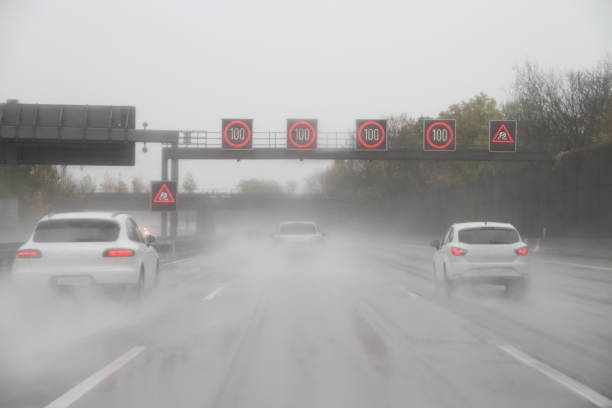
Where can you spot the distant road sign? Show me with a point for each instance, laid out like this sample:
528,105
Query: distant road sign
439,135
163,196
237,134
301,134
371,135
502,136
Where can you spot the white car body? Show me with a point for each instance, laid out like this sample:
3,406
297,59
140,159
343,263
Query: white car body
461,258
299,233
74,261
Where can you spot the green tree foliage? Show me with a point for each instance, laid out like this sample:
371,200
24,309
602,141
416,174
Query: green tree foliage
383,178
189,184
36,185
255,186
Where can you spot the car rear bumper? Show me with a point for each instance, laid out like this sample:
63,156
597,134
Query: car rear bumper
117,277
494,274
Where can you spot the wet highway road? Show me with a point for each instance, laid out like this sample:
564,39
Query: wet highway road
359,325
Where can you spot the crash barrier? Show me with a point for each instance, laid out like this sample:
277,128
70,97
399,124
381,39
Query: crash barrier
181,247
7,254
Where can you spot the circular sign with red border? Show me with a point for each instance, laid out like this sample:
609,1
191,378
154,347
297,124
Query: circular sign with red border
302,134
237,133
371,135
439,134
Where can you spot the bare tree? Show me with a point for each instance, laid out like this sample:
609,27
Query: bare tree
138,186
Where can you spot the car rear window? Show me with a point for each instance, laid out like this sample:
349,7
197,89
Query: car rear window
81,230
298,229
488,235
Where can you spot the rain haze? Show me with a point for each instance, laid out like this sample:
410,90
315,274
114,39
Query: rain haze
187,64
317,204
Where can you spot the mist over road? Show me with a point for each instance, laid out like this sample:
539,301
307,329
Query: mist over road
357,323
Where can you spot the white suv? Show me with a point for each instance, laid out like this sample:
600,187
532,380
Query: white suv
87,248
481,252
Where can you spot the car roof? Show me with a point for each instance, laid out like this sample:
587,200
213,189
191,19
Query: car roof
298,222
479,224
104,215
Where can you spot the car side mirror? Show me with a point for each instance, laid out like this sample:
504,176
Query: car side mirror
435,243
149,239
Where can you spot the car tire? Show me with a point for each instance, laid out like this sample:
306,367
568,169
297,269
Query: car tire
138,289
448,285
156,279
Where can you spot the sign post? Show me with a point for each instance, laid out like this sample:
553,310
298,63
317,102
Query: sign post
163,196
371,135
439,135
502,136
301,134
237,134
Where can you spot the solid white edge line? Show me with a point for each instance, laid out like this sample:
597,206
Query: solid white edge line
76,392
213,294
568,382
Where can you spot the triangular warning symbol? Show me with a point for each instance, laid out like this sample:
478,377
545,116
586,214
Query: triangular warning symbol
502,135
164,196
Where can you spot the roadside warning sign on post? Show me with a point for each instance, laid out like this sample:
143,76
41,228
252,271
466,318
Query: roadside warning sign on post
237,134
301,134
371,135
439,135
163,195
502,135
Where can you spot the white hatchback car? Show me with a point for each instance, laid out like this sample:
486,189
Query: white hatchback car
298,233
482,252
87,249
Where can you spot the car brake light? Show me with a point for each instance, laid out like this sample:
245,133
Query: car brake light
118,253
458,251
317,237
522,251
279,238
29,253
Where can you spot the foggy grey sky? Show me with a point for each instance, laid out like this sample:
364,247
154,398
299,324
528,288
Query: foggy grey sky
187,64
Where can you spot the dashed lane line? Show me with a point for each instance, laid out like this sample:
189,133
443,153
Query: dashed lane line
88,384
568,382
213,294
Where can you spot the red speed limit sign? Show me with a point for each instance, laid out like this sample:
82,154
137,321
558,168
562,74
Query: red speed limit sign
371,135
237,134
439,135
301,134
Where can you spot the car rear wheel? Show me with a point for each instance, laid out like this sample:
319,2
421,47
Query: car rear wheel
447,284
137,290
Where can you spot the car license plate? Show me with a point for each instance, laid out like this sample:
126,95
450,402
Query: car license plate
73,281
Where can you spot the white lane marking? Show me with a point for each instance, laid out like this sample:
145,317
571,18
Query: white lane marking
175,262
72,395
213,294
601,268
411,293
568,382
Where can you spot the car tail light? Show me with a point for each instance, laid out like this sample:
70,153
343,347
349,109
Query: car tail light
279,238
522,251
458,251
29,253
118,253
317,237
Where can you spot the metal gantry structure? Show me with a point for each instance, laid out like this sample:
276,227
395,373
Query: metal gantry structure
106,135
